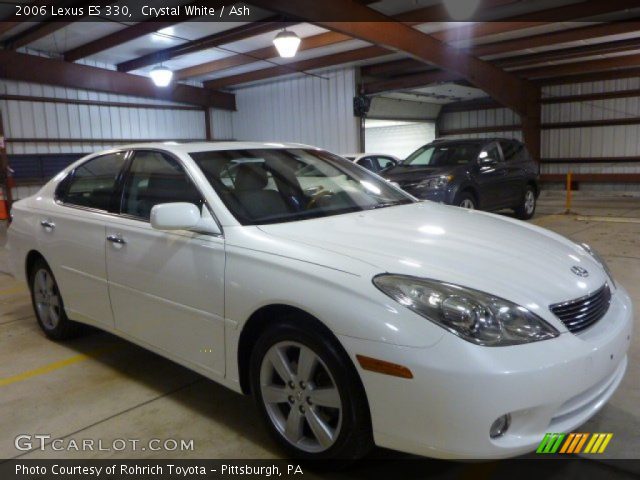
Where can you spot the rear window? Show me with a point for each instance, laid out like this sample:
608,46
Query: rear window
92,184
443,155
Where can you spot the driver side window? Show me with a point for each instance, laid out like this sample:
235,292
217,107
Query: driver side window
156,178
491,151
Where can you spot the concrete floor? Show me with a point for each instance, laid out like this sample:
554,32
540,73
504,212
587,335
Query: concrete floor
101,387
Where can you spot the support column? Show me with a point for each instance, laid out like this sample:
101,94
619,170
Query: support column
5,183
531,123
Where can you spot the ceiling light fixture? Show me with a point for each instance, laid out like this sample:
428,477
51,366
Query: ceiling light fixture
461,9
161,76
287,43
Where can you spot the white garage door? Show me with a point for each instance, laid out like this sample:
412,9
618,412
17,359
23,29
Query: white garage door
396,137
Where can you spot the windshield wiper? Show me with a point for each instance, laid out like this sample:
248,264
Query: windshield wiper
387,204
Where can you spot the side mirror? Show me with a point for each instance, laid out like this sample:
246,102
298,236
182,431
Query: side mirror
487,161
181,216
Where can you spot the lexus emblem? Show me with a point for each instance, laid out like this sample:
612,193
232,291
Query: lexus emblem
579,271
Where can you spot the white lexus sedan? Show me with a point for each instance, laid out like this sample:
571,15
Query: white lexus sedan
354,314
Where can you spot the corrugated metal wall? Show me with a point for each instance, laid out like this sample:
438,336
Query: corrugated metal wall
23,119
311,110
584,142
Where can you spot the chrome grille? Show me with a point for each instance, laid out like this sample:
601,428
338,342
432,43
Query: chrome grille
581,313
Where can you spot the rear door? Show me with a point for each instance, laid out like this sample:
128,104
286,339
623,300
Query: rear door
516,162
490,176
72,237
167,288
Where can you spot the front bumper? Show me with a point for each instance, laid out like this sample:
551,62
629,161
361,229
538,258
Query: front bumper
460,389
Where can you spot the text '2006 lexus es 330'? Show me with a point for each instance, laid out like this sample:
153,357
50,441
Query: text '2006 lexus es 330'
353,313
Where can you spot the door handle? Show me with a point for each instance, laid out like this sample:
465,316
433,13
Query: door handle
47,224
117,238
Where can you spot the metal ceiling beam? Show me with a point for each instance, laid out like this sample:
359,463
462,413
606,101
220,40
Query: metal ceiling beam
307,43
570,53
15,20
294,67
114,39
434,13
21,67
504,87
210,41
34,34
589,66
43,28
590,77
553,38
130,33
520,22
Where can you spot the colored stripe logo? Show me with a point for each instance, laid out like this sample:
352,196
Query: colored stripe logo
574,443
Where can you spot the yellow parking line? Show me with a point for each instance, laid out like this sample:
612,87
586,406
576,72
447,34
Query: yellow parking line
595,218
13,290
53,366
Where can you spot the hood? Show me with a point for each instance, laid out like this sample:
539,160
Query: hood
505,257
405,173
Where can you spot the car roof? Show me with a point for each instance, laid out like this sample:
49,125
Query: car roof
475,140
192,147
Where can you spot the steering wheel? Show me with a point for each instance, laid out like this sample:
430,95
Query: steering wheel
317,196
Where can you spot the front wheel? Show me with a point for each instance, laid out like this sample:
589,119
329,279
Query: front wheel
309,394
466,200
528,206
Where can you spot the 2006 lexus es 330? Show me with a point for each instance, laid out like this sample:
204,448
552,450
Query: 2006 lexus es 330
352,312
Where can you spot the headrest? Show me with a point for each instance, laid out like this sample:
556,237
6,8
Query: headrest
251,177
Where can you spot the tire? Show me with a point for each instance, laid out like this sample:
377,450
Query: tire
527,207
341,410
48,305
466,200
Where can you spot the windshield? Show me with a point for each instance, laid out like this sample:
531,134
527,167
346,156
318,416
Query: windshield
443,155
263,186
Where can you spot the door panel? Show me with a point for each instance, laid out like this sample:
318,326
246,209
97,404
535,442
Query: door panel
491,178
515,155
72,236
166,288
74,249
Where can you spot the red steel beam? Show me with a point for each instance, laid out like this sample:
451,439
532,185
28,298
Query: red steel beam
21,67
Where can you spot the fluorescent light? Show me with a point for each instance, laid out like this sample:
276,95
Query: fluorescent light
461,9
161,76
287,43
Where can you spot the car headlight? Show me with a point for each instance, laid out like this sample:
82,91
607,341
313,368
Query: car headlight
435,182
475,316
600,261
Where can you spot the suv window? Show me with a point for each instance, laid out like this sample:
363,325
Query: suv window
367,162
156,178
513,151
491,151
92,183
385,162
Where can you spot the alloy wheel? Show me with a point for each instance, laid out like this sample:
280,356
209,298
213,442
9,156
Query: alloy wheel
47,299
529,202
467,203
300,396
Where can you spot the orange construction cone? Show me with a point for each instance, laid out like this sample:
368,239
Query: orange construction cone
4,207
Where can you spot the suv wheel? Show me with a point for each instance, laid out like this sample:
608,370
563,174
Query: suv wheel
466,200
528,206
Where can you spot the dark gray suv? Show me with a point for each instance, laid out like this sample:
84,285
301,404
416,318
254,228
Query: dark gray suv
489,174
